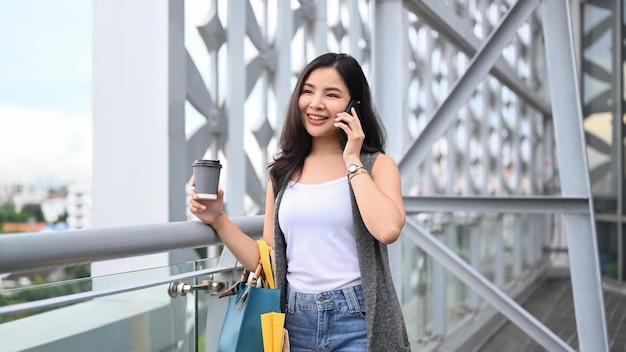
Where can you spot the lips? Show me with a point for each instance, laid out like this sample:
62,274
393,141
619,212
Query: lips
316,119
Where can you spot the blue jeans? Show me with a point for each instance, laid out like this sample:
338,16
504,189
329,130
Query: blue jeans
327,321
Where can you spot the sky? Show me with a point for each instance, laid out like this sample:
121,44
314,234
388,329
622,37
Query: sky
45,91
46,85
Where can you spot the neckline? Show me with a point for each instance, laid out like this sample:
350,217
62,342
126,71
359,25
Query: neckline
325,183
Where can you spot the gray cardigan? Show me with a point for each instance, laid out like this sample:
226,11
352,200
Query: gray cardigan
386,331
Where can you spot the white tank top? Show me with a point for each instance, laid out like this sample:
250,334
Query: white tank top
319,232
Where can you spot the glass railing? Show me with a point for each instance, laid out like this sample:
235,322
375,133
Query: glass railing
133,310
139,310
130,311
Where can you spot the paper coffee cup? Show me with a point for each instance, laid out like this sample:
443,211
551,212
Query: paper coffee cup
206,174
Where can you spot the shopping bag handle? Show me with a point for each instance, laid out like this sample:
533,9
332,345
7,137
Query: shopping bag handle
263,271
265,261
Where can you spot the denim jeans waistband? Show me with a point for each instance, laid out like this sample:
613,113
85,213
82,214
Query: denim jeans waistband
351,297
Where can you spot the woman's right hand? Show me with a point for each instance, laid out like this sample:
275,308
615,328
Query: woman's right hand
207,210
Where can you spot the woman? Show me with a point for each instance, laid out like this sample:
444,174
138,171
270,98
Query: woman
331,209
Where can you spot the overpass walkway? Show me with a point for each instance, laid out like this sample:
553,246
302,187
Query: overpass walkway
553,305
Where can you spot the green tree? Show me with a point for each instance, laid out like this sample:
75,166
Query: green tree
8,213
79,271
62,219
33,211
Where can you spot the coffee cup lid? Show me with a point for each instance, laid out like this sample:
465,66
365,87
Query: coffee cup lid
204,162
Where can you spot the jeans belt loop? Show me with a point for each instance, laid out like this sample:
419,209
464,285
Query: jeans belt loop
351,299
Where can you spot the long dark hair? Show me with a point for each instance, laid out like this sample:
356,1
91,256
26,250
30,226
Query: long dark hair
295,142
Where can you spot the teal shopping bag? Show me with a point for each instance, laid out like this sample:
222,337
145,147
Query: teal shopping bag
242,330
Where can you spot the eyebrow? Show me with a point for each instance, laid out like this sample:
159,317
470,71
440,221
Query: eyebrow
329,89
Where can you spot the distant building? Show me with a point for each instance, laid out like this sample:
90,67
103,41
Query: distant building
53,208
28,194
79,206
76,200
6,192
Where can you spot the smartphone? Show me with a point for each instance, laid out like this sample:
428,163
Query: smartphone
342,135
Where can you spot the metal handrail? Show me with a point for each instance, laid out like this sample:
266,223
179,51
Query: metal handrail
92,245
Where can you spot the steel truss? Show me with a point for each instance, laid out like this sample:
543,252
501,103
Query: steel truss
469,92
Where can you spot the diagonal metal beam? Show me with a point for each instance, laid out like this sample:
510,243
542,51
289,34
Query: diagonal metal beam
438,15
483,287
478,68
197,93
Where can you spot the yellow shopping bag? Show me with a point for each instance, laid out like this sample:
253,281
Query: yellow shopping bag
275,337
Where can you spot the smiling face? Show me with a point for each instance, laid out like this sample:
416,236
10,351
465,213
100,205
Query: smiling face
324,95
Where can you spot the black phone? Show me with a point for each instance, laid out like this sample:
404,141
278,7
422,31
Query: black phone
342,135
